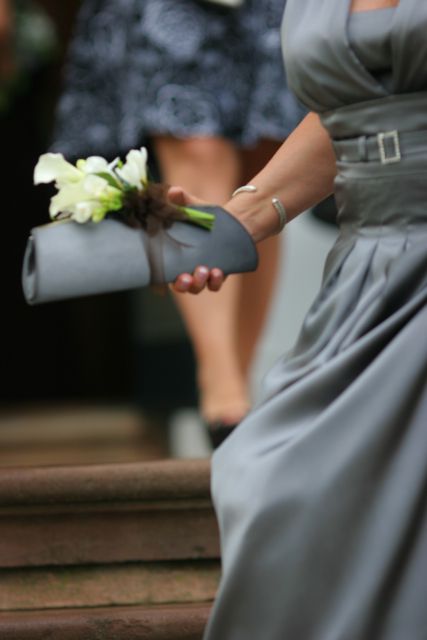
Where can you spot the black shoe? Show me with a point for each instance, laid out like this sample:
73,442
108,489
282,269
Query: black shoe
218,431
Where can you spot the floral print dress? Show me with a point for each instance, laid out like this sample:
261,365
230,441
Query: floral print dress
177,67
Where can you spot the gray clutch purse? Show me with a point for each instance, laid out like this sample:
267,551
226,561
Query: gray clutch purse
66,259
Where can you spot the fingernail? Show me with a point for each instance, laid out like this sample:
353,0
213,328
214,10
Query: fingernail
202,271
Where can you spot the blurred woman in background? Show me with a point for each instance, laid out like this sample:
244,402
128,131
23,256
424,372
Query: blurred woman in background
204,84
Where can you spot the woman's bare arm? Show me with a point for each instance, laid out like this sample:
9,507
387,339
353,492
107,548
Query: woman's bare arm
300,174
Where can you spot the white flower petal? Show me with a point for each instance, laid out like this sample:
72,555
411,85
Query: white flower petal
67,197
83,211
134,171
95,186
99,188
127,176
96,164
113,164
140,159
53,167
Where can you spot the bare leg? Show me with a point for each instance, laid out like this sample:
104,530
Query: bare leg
224,326
255,297
210,169
257,286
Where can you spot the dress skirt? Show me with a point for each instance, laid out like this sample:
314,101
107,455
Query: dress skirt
177,67
321,493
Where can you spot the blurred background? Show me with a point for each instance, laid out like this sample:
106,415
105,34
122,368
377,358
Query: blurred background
109,378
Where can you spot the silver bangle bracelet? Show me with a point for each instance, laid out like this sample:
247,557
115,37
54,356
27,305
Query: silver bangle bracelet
277,204
281,212
247,188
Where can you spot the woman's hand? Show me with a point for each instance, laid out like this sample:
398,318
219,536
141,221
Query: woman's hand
202,277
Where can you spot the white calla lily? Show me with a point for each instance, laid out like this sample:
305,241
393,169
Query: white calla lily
92,189
68,196
52,167
134,171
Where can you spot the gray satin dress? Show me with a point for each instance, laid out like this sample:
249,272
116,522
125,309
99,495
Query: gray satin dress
321,493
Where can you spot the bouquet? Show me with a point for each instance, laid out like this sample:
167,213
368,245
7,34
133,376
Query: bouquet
94,188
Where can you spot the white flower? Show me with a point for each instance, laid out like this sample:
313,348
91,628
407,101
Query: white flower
134,171
93,187
52,167
87,199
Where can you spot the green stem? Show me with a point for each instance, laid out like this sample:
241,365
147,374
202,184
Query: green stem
201,218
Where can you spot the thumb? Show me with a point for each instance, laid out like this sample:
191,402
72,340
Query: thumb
178,196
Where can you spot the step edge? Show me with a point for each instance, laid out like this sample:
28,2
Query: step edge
132,482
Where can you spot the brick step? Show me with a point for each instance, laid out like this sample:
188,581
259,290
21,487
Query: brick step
103,514
174,622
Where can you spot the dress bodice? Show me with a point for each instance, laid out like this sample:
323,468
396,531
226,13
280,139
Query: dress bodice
369,35
326,71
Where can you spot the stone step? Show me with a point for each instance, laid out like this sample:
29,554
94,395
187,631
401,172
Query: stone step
174,622
108,585
42,436
103,514
119,551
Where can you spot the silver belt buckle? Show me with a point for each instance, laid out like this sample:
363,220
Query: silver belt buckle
383,139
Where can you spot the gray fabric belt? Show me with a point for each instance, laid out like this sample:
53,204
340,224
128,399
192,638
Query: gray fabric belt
386,147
